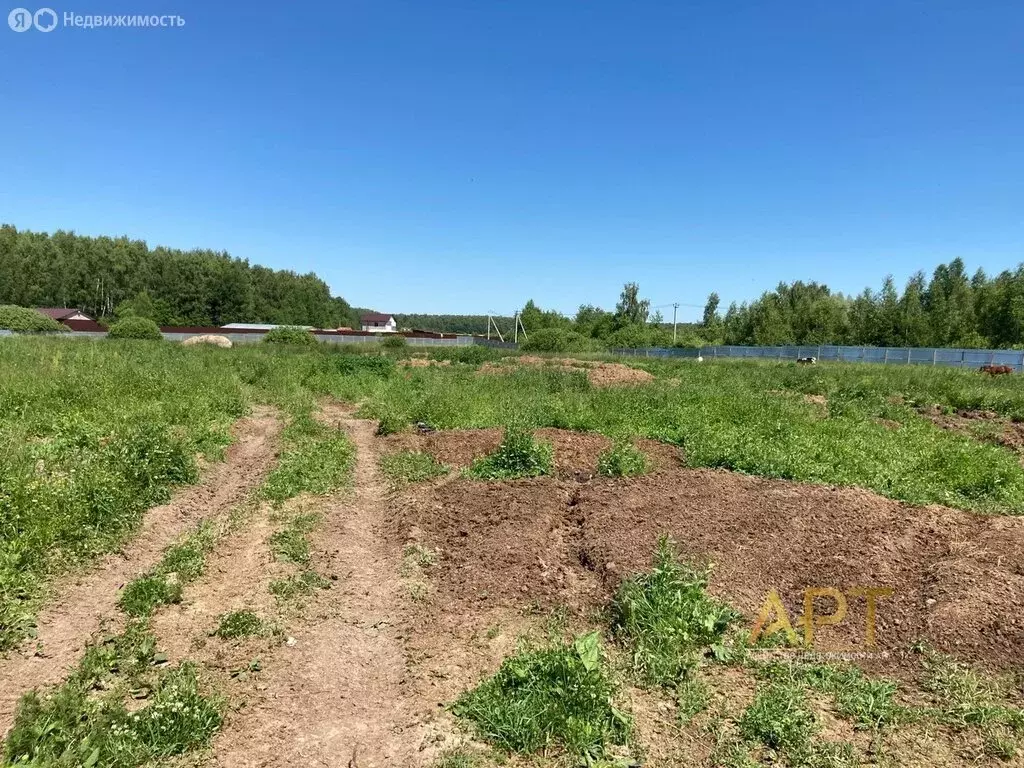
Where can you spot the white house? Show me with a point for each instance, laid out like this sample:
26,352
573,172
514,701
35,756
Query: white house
376,322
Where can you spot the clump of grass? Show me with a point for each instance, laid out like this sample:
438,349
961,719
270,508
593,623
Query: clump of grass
411,467
870,702
666,618
238,624
519,455
291,543
318,460
555,696
181,564
394,342
623,459
142,596
780,718
299,585
391,423
693,696
967,698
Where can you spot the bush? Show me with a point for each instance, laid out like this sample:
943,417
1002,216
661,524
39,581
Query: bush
635,336
394,341
558,695
25,320
519,455
667,618
290,335
136,328
377,364
623,459
559,340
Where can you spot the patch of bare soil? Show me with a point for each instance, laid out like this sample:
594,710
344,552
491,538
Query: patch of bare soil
335,698
575,453
599,374
236,577
956,577
987,425
83,602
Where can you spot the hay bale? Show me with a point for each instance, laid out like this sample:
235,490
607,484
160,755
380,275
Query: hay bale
218,341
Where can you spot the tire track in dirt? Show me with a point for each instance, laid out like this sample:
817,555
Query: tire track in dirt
337,697
83,602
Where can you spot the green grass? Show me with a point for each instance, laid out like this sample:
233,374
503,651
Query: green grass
869,702
558,697
519,455
623,459
91,435
411,467
966,698
730,415
291,543
181,564
781,718
84,721
317,460
237,624
297,586
666,619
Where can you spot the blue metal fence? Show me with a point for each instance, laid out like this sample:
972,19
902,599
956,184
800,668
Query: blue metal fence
958,358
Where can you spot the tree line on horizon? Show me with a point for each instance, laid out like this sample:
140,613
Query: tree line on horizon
114,277
951,309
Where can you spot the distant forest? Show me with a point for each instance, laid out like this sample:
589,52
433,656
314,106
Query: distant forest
951,309
107,276
452,323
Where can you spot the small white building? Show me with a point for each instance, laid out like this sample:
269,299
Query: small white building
377,322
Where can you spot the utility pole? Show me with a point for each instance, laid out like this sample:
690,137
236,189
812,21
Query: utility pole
515,328
674,308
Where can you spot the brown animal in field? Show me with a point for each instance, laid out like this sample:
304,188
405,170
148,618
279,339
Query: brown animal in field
996,370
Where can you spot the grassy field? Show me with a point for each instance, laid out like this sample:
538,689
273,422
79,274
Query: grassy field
92,434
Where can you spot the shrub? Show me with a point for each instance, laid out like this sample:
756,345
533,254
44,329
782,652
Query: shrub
290,335
136,328
667,619
519,455
558,695
27,320
623,459
394,341
559,340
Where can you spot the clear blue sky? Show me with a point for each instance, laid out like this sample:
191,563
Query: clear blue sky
466,156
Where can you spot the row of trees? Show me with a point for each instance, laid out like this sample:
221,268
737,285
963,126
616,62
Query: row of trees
949,310
116,276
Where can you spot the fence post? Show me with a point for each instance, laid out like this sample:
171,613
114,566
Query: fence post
908,354
963,357
934,352
886,358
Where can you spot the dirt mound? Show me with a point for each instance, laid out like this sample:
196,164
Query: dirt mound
599,374
575,453
957,577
